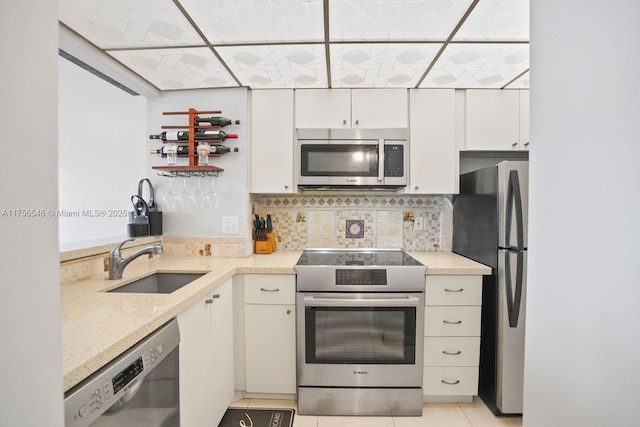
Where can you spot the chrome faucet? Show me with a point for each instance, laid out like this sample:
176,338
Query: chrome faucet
117,264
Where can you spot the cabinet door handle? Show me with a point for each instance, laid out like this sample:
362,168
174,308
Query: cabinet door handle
451,353
526,144
454,290
357,122
286,187
344,122
270,290
288,311
452,322
515,144
449,382
210,300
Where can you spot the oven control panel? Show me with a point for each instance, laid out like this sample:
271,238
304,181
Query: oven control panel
361,277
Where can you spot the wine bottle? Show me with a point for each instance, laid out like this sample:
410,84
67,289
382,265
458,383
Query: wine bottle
214,135
215,121
183,150
222,149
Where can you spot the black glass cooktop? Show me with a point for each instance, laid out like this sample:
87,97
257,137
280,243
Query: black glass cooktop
354,257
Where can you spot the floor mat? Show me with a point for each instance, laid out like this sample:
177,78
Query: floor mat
251,417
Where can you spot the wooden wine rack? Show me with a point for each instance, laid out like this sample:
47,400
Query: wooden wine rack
194,168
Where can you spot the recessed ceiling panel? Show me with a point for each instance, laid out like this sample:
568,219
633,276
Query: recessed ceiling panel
478,66
394,20
277,66
500,20
232,21
128,23
170,69
380,65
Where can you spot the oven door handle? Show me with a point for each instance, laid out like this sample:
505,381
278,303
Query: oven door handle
400,301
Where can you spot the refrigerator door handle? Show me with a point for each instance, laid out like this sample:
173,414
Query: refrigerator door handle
513,301
513,192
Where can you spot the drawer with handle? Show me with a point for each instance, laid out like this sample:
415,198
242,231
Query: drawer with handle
456,381
451,351
463,321
453,290
269,289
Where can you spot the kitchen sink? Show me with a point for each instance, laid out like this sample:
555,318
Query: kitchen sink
159,283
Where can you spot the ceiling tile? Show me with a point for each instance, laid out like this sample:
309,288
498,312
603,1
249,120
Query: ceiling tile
521,83
168,69
231,21
497,20
380,65
478,65
277,66
128,23
394,20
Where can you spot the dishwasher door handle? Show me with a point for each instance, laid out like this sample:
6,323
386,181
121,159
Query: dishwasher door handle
399,301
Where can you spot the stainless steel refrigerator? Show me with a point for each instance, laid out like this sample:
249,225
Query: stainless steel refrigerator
490,226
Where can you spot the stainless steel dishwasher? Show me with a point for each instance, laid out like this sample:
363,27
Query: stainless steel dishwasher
139,388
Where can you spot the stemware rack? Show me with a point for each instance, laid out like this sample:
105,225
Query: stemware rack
193,169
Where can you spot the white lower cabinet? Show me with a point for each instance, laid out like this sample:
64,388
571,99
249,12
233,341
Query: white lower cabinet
453,307
206,358
270,332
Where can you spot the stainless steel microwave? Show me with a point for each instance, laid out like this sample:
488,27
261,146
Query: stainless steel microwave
352,157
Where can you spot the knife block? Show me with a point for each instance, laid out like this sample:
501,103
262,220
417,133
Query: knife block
266,246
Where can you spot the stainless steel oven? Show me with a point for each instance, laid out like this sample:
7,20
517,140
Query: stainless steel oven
352,157
360,324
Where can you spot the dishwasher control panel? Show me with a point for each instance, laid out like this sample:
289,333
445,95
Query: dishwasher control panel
115,384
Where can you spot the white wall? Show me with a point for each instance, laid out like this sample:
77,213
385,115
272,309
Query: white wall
30,326
102,136
583,315
232,184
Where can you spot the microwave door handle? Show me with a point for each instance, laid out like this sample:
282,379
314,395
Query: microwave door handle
403,301
381,160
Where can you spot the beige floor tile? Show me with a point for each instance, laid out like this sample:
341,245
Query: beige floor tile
481,416
242,403
305,421
436,415
355,421
273,403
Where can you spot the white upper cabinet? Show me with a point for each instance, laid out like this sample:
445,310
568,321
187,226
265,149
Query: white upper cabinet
379,108
433,157
351,108
323,108
493,120
272,148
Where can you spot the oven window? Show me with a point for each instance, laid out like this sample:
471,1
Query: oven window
339,160
360,335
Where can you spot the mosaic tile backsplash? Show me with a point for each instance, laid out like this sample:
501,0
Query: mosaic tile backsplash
412,223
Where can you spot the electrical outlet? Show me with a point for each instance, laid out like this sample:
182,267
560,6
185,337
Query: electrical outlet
418,223
230,225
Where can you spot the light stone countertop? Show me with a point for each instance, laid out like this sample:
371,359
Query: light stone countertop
98,326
